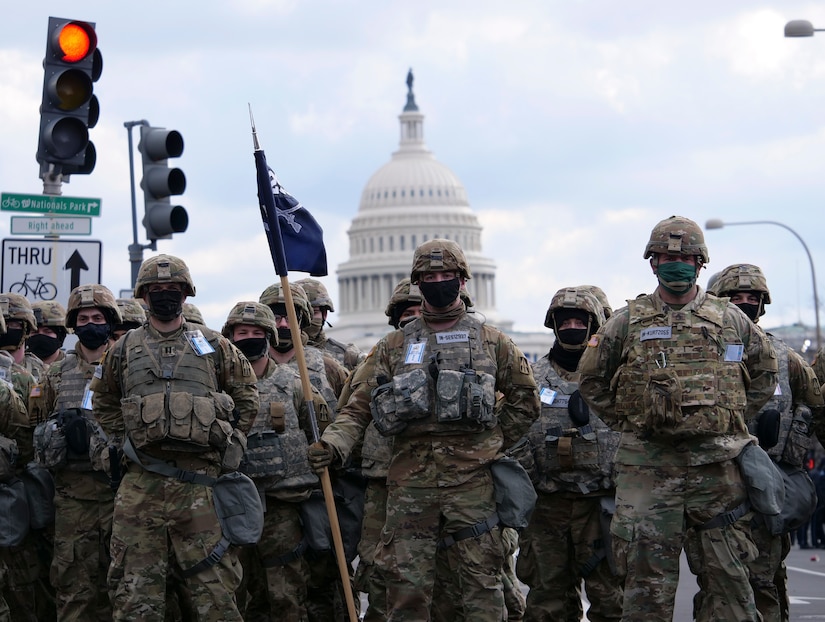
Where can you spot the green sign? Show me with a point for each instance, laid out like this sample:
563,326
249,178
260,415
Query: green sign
49,204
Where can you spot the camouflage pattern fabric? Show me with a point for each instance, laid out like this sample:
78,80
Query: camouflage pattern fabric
441,483
666,481
368,578
564,537
153,512
84,503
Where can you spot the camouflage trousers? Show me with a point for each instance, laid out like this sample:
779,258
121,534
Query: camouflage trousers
368,578
82,531
655,506
417,518
275,571
156,517
563,545
26,591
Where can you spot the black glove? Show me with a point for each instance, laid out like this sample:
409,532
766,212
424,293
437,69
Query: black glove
320,456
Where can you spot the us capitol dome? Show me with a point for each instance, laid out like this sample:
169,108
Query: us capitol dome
411,199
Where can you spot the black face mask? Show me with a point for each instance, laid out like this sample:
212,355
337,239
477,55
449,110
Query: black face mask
572,336
166,304
749,309
12,339
440,294
284,340
93,336
253,348
42,346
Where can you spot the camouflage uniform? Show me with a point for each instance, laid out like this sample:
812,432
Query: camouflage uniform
325,596
84,500
276,460
345,353
573,450
14,425
213,399
679,384
797,402
27,590
439,482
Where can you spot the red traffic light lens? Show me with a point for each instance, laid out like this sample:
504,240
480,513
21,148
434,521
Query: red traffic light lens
76,41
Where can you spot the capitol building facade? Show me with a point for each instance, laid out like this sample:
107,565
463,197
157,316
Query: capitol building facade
411,199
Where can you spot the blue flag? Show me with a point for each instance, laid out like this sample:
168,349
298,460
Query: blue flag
296,240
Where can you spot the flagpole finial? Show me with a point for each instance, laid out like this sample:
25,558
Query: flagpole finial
254,132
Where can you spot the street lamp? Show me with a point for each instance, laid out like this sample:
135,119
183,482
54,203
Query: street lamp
801,28
715,223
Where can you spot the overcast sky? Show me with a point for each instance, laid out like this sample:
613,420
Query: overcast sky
575,126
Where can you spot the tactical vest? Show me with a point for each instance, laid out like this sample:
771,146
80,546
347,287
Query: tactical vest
276,449
69,447
171,393
794,430
444,383
345,354
318,376
568,457
676,383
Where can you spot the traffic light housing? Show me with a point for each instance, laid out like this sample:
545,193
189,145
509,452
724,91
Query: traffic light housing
69,107
161,219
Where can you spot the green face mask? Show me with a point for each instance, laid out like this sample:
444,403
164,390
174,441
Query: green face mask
676,277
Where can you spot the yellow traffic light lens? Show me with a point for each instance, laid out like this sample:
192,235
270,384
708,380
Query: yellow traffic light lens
70,89
74,42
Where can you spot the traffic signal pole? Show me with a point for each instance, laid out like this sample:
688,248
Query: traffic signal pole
135,248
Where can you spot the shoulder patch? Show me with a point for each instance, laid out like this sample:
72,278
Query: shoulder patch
594,341
35,392
524,366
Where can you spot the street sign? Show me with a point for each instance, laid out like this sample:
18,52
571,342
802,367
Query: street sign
47,225
49,269
49,204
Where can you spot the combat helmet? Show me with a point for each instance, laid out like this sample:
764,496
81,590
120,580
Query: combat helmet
439,255
574,301
598,292
254,313
402,299
273,295
49,313
317,294
192,314
131,311
742,277
677,235
17,307
93,296
163,269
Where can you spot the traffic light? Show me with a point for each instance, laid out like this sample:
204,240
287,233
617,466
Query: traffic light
161,219
69,106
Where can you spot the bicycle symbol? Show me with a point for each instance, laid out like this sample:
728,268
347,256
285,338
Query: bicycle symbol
34,286
11,202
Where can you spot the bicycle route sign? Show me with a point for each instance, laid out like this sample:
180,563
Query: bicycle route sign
49,269
49,204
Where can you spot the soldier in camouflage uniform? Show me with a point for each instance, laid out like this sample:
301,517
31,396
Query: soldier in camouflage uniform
345,353
326,599
84,500
678,372
276,459
181,394
433,389
791,411
46,342
572,451
15,430
375,452
132,314
27,591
